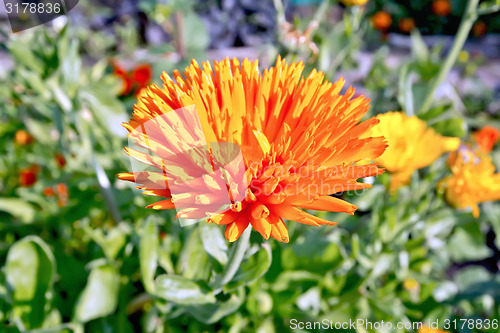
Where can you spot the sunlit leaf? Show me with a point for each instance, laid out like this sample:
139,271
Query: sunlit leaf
29,272
100,296
148,254
182,291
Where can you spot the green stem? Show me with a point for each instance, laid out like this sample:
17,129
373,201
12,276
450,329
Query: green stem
234,261
322,11
280,11
468,20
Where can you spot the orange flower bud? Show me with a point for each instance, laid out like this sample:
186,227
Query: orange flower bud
382,21
441,7
48,191
406,24
60,160
62,194
23,138
479,29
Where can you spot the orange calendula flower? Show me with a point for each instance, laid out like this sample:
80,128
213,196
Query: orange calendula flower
354,2
406,24
486,138
412,145
299,140
441,7
23,138
382,21
473,180
426,329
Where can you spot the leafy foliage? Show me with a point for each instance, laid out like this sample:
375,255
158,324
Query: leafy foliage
101,262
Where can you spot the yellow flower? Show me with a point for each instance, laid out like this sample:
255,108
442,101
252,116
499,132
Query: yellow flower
354,2
473,181
463,56
299,138
426,329
411,284
412,145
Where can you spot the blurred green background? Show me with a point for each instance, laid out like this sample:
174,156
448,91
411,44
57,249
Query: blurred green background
79,252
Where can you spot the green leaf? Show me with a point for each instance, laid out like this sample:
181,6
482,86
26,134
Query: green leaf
455,127
101,101
111,243
471,275
182,291
148,254
382,265
18,208
479,288
100,296
434,112
236,256
212,313
468,243
288,278
312,250
70,66
29,272
194,33
24,56
60,94
214,242
194,262
408,92
419,48
444,291
488,7
251,269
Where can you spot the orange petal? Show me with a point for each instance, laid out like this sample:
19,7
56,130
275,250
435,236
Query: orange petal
279,231
326,203
224,218
263,226
164,204
234,230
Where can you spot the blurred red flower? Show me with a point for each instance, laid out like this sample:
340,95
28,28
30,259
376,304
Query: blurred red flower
60,160
486,138
135,80
28,176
